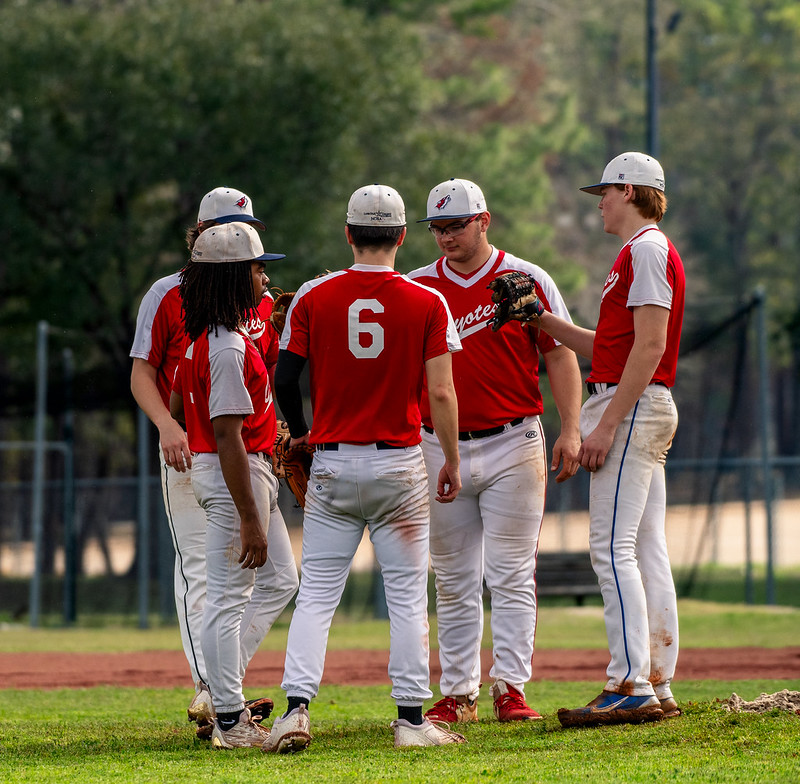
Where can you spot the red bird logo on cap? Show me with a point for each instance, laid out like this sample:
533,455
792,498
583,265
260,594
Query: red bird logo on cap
242,203
443,202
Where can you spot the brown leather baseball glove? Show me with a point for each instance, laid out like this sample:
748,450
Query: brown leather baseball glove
280,306
292,464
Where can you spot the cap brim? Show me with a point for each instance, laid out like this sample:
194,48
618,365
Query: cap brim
240,218
449,217
596,190
270,257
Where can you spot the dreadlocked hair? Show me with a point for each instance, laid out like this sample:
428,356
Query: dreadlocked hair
216,295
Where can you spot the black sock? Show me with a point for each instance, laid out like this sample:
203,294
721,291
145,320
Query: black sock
295,702
412,714
228,720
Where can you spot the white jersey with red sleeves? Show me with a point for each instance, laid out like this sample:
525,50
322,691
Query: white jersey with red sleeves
367,332
159,337
647,271
224,374
497,374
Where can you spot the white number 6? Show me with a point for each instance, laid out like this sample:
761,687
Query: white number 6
355,328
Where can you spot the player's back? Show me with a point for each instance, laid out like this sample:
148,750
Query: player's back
367,332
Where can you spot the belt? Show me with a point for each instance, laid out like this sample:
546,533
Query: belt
596,387
471,435
333,446
265,456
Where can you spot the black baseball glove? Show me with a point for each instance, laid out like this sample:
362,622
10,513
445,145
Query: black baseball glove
516,298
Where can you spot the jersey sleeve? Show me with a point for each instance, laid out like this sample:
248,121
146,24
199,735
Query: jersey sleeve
650,285
228,392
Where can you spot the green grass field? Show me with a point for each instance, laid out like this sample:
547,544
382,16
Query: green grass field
141,735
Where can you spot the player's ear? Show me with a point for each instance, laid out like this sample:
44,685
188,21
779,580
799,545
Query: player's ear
347,234
485,220
402,237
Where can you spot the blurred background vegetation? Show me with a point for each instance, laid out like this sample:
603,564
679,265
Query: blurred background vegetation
116,116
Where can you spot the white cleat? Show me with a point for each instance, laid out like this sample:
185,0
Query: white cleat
243,735
425,734
289,734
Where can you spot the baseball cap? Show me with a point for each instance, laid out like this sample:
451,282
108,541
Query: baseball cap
630,168
231,242
376,205
454,199
226,205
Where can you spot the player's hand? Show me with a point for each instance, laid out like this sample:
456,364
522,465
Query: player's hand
293,442
175,446
448,483
565,450
594,449
254,545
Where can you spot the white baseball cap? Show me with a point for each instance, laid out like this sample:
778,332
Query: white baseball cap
231,242
376,205
226,205
454,199
630,168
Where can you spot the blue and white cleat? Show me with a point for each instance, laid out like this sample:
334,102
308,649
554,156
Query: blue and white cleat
612,708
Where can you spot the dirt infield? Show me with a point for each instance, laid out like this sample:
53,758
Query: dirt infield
164,669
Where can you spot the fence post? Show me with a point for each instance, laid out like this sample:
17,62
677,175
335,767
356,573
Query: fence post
143,544
37,511
760,300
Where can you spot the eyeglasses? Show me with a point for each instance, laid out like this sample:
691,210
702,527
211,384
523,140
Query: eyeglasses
453,229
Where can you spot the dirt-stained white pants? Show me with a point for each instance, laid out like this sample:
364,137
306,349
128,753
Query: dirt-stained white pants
187,527
385,491
627,510
490,532
241,604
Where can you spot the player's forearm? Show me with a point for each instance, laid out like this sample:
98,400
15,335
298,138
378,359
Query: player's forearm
235,467
444,416
579,339
145,393
566,386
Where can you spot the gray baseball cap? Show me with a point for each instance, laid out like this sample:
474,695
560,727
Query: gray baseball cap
231,242
454,199
630,168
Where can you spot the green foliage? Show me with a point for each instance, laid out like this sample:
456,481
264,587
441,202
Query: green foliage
96,735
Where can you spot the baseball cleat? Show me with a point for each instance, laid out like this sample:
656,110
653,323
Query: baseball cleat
244,734
201,708
290,733
510,705
425,734
612,708
453,710
670,708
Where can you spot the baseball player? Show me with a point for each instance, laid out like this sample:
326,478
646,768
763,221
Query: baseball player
627,424
369,334
222,392
157,347
491,532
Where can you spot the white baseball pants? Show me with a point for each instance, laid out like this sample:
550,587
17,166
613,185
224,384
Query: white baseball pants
627,510
385,491
187,526
490,532
241,604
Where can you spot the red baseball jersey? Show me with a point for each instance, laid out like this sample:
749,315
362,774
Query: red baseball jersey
367,332
224,374
160,339
647,271
497,373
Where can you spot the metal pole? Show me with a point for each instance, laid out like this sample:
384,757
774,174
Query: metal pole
70,543
766,442
652,81
143,548
37,510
